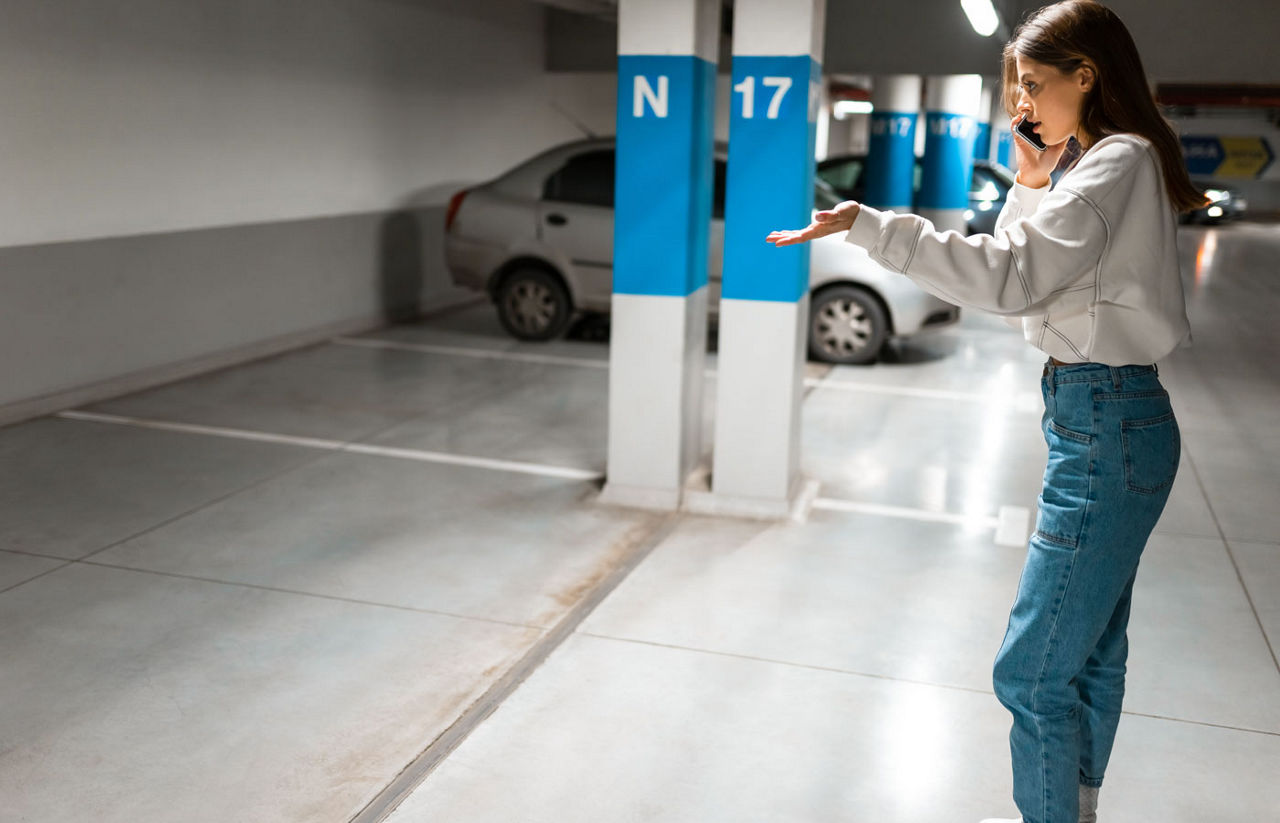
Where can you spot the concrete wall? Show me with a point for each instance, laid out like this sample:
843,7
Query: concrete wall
187,183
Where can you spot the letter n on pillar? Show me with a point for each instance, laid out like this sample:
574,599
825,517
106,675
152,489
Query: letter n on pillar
662,220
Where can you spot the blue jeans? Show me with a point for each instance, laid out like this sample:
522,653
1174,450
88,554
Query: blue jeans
1113,453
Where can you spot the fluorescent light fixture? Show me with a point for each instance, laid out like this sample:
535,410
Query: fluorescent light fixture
844,108
982,16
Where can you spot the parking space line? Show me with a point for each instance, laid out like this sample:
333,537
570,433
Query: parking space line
1022,401
193,428
462,351
1019,401
1010,524
566,472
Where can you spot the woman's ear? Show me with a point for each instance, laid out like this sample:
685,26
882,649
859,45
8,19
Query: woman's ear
1086,77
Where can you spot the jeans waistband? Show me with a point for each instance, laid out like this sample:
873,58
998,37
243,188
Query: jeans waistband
1089,372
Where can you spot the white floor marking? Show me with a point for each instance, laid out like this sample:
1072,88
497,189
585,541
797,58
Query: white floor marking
462,351
339,446
1010,524
191,428
1022,401
475,462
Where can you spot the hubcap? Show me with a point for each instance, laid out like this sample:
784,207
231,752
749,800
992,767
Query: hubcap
842,327
531,306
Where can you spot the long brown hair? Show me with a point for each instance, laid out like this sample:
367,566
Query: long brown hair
1075,33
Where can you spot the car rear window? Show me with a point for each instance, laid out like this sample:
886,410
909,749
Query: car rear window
845,174
586,178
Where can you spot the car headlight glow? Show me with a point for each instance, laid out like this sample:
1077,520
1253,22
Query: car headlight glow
987,192
1216,195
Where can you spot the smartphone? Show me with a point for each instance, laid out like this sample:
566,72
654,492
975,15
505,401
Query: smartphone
1023,130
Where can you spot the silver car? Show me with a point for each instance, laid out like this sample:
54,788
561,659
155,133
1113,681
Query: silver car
539,241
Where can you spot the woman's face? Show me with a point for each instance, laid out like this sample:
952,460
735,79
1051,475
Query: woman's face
1052,99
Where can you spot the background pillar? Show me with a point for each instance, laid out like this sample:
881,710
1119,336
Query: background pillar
891,157
982,144
1002,138
667,53
951,109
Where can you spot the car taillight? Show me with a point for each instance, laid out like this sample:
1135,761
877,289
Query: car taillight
455,203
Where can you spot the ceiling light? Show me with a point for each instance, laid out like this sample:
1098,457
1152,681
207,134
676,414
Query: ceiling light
844,108
982,16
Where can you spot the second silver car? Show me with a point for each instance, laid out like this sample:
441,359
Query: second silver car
539,240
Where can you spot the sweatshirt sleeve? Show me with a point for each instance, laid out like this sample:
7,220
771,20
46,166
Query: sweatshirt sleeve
1022,201
1047,241
1025,264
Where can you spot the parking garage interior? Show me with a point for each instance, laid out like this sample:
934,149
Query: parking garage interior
293,527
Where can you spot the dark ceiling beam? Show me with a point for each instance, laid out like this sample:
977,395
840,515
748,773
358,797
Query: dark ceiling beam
1203,94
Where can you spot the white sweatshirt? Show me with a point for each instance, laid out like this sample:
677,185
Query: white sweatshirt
1091,267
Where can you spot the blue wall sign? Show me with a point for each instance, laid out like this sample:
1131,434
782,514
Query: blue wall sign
1235,156
1204,154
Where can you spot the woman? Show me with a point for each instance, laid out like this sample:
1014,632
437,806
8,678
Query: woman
1090,268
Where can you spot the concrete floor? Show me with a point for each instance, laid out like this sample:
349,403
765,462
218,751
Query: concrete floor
373,571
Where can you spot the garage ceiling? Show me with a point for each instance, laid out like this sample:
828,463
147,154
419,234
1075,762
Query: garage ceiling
1182,41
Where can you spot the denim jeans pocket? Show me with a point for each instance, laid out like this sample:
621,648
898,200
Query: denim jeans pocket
1152,449
1068,478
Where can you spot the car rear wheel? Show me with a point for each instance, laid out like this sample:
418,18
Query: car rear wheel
846,325
534,305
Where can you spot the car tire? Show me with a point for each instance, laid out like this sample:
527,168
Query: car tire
847,326
534,305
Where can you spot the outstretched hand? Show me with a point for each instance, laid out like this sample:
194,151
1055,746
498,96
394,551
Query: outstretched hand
825,222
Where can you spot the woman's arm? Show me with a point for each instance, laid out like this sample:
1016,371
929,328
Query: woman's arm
1050,246
1022,201
1027,263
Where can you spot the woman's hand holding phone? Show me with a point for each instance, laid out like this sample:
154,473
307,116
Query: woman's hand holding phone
1034,166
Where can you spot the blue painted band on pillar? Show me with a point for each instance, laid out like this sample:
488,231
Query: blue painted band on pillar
770,183
891,158
948,161
982,148
1004,149
663,179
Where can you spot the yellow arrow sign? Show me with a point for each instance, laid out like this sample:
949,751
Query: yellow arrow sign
1243,157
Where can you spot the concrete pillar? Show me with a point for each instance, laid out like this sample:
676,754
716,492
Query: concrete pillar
890,169
822,135
951,110
982,144
1002,138
667,54
764,310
